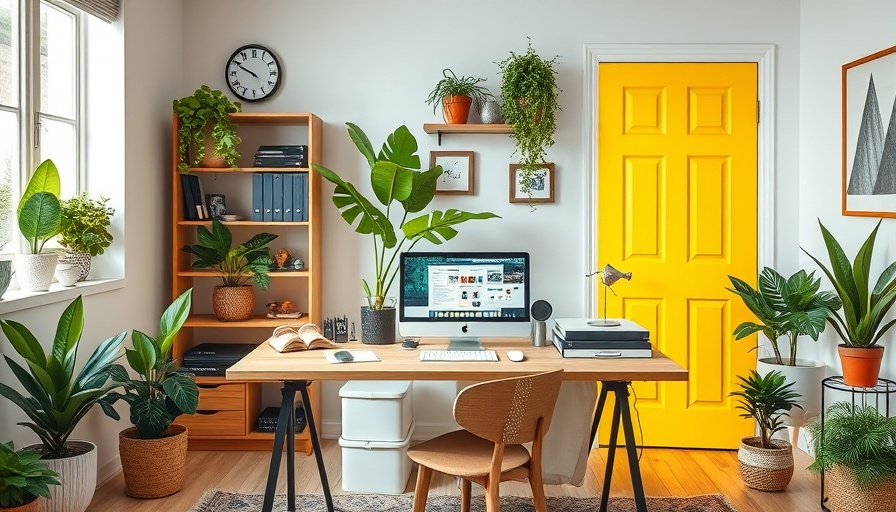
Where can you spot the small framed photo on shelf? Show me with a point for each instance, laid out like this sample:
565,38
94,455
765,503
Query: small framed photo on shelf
541,185
216,205
457,171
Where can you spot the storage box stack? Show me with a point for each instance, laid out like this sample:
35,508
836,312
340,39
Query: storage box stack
377,424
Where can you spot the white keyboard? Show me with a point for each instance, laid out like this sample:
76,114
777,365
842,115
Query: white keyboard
458,355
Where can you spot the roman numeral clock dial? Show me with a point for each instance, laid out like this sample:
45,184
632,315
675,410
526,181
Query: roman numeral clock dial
253,72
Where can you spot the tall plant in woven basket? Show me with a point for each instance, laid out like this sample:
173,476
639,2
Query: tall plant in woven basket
857,452
765,463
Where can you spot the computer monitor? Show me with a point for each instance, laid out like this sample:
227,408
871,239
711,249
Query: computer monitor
464,295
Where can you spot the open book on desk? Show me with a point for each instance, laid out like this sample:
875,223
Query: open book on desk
307,337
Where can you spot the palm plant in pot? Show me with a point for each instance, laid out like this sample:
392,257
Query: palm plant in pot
456,95
206,127
765,463
84,231
234,299
24,479
856,449
154,452
530,92
861,325
394,178
40,218
789,308
58,399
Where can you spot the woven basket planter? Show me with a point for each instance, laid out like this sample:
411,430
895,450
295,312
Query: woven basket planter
34,506
846,495
765,469
233,303
153,468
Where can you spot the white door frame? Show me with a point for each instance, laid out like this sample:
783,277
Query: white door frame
762,54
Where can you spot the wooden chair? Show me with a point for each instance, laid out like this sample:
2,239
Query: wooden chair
498,417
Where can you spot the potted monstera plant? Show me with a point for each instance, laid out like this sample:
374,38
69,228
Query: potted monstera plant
40,218
84,231
206,128
396,181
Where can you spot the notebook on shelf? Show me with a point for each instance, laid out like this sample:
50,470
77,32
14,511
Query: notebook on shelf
287,338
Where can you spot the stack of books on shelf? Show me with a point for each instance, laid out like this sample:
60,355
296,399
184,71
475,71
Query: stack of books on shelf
280,197
194,208
267,420
284,155
211,359
576,337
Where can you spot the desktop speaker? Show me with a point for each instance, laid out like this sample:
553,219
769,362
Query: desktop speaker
541,310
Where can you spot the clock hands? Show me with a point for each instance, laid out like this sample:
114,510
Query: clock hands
240,65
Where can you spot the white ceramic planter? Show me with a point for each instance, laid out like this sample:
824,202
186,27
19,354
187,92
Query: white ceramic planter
806,376
35,271
78,478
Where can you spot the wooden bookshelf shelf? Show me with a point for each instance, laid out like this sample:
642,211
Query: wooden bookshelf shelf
466,128
250,170
295,274
239,223
256,321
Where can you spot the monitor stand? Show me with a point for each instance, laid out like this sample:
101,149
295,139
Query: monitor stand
465,343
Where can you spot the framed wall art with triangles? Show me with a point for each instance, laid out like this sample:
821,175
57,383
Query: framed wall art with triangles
869,135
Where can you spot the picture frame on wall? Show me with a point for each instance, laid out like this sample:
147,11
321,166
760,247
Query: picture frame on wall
868,134
542,185
457,171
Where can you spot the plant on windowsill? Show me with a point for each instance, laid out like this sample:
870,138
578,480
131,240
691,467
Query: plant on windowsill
57,399
765,464
862,324
205,126
154,451
39,214
530,92
394,178
456,95
24,479
84,231
233,300
790,308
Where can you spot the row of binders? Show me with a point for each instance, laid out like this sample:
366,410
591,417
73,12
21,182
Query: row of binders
280,197
581,337
285,155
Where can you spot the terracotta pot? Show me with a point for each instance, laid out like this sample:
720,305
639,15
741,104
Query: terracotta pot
211,159
456,109
861,365
34,506
765,469
153,468
233,303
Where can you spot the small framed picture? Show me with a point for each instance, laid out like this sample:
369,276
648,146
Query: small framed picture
457,171
216,205
541,185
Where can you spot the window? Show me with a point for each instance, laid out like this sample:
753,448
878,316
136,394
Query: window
40,109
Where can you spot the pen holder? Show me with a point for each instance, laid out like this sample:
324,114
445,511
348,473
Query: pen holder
539,334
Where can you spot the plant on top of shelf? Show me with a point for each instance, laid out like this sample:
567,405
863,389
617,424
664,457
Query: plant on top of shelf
204,115
456,94
234,299
530,92
23,477
394,178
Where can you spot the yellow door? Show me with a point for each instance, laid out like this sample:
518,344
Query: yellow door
677,186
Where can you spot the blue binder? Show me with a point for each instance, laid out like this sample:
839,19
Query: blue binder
267,194
277,197
302,208
257,205
298,202
287,196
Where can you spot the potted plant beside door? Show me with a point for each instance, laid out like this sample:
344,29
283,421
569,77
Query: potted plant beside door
40,218
395,178
861,326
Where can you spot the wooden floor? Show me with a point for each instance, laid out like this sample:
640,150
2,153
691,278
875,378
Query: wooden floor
665,472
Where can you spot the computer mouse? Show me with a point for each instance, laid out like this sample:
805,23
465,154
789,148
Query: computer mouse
516,355
344,356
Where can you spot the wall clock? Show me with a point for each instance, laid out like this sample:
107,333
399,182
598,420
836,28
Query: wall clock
253,72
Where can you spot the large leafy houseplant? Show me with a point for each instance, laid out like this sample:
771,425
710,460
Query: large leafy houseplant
790,307
396,181
58,398
530,92
237,265
450,87
85,223
206,110
23,477
39,211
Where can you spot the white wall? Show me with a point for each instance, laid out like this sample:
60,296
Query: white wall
374,63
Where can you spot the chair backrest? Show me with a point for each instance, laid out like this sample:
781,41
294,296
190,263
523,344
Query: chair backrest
507,410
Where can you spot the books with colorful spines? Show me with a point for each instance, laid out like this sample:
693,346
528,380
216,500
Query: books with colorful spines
287,338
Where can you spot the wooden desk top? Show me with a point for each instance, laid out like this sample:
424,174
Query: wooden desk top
266,364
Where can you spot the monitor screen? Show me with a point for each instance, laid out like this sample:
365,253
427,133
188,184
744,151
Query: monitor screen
458,294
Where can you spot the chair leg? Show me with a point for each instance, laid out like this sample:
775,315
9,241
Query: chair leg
421,491
492,499
537,484
466,491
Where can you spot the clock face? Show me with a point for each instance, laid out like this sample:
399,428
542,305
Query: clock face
253,72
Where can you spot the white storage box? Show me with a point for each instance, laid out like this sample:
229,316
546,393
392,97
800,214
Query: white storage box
374,410
376,466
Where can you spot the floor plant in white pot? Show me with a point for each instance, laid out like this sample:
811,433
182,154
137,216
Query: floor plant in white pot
58,398
40,218
154,451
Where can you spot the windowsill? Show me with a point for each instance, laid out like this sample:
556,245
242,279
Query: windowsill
18,300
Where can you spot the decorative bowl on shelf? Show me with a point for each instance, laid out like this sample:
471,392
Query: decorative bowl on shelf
231,218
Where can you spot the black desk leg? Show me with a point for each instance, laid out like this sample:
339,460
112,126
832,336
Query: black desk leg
291,459
621,412
315,444
286,405
611,457
598,412
630,447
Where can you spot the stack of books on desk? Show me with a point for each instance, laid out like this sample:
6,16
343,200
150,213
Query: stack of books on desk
209,359
284,155
267,420
575,337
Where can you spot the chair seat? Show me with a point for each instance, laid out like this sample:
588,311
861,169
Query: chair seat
463,454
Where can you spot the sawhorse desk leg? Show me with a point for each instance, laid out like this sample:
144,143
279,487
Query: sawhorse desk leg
621,411
286,427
